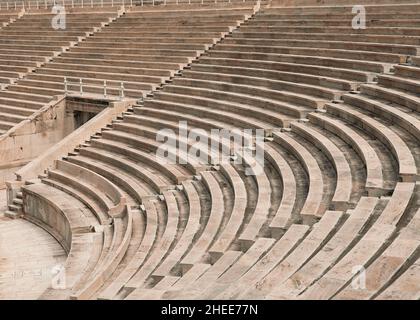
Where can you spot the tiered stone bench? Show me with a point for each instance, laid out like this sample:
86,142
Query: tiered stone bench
339,187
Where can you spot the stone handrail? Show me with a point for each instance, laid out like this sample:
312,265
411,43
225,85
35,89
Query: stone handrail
68,144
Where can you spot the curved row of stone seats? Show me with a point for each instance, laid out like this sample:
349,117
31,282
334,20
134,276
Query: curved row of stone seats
95,251
145,258
214,222
147,124
389,112
369,246
376,181
289,279
122,225
121,240
344,185
402,189
60,214
291,263
359,244
198,267
398,146
203,242
404,83
109,197
29,43
357,219
264,102
37,26
141,137
170,263
239,110
323,77
296,33
362,217
313,205
193,289
174,236
192,230
395,209
229,280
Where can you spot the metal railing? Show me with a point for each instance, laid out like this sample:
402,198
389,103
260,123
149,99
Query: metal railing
44,4
105,88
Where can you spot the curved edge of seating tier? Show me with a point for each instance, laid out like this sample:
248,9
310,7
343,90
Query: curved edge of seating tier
76,224
139,268
118,207
396,96
185,240
344,184
232,226
213,225
119,176
270,78
273,101
233,113
130,278
375,183
150,144
208,276
261,212
120,243
401,82
57,182
283,215
169,170
399,117
145,136
173,172
403,195
313,206
248,86
85,235
397,146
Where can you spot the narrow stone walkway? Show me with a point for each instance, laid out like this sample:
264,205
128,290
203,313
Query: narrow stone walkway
28,256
